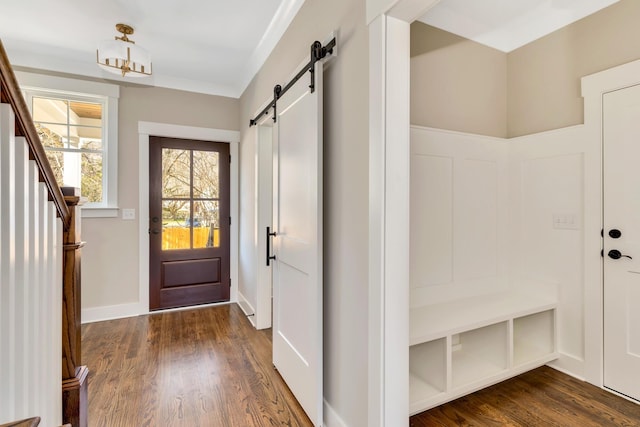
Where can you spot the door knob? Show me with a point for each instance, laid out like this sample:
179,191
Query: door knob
614,233
616,254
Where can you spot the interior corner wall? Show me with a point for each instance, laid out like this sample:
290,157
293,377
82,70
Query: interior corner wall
457,84
110,261
461,85
346,187
544,76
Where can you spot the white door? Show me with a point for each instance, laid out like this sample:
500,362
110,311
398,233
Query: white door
297,216
621,234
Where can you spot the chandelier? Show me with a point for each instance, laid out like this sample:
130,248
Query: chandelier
123,56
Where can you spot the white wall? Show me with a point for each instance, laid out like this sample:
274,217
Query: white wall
483,213
547,176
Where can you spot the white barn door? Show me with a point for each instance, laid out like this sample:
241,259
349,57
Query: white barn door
297,268
621,235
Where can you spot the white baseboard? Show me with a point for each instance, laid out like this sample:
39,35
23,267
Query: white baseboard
109,312
569,365
247,308
331,418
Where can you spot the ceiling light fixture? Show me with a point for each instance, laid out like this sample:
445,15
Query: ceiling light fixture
122,56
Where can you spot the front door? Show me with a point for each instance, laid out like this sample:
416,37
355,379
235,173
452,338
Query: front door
189,218
297,270
621,233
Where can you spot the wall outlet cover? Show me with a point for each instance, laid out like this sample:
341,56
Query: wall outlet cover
128,214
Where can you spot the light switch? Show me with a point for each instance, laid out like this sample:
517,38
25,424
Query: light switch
128,214
566,221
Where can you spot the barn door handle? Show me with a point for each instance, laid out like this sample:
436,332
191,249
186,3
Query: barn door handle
270,234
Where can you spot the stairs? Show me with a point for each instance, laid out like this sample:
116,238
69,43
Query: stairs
30,285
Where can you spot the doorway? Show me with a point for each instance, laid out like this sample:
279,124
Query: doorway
621,234
189,230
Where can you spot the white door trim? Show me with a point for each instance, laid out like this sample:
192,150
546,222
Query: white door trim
145,129
264,218
389,211
389,223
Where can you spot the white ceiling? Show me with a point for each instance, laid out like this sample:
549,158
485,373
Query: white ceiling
508,24
217,46
208,46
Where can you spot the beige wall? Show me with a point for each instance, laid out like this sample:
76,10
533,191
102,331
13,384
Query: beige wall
460,85
457,84
346,160
544,76
110,265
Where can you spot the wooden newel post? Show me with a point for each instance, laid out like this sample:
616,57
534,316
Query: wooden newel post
74,374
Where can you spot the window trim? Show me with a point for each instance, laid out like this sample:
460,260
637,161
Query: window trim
108,94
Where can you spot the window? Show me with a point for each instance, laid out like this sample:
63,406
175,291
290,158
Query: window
71,132
77,124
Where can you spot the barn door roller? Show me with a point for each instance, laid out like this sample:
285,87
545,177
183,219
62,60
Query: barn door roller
318,52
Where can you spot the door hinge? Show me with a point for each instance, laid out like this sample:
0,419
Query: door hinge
229,158
229,220
229,282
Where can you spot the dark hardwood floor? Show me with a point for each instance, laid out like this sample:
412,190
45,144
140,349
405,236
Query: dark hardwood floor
543,397
201,367
210,367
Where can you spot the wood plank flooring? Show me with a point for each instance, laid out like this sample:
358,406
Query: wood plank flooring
210,367
543,397
200,367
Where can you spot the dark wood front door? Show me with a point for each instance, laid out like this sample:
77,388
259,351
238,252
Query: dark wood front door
189,216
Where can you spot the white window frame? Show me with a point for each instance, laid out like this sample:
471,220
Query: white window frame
106,94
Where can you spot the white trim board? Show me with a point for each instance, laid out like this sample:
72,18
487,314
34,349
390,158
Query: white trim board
388,375
264,217
120,311
331,418
146,129
247,308
388,222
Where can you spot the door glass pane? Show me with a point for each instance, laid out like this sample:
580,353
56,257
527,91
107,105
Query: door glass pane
176,230
205,174
176,171
206,224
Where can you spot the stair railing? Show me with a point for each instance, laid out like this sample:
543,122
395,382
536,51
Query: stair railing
10,93
73,392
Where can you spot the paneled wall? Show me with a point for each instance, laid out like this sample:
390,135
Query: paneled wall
459,202
547,179
492,214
